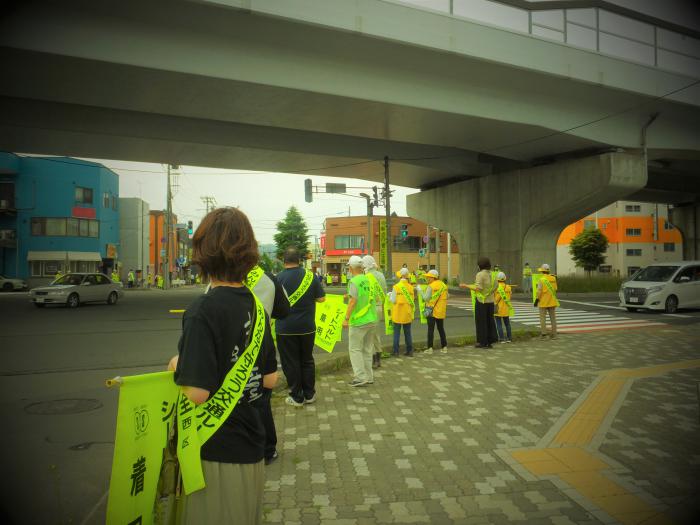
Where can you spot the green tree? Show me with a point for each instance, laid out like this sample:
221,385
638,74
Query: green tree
292,231
587,249
269,264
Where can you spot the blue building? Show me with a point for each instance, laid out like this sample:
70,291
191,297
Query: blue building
56,214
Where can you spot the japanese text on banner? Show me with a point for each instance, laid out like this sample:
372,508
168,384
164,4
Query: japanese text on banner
329,322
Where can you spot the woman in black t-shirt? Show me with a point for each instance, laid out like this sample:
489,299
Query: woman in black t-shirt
216,330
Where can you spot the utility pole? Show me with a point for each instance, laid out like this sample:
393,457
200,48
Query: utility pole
209,202
427,244
168,232
449,257
437,249
387,195
369,223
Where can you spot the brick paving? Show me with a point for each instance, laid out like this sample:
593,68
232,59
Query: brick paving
425,443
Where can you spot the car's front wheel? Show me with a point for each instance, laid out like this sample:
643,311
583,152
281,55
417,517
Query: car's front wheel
671,306
630,309
39,305
7,287
73,301
112,299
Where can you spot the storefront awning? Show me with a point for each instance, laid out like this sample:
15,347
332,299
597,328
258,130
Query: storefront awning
62,256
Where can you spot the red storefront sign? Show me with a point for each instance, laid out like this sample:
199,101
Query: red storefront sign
344,252
83,213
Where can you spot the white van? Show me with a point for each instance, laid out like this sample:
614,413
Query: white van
664,286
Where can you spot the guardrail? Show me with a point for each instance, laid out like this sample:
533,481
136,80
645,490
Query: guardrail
593,28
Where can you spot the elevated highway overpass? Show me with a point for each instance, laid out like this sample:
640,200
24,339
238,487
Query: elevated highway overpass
475,115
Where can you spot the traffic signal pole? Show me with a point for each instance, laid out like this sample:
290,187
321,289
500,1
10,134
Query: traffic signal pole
387,194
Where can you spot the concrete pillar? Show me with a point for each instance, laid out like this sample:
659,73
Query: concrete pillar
686,218
517,216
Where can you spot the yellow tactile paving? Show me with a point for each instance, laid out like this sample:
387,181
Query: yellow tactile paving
583,470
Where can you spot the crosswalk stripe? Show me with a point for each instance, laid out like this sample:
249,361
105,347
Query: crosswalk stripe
569,320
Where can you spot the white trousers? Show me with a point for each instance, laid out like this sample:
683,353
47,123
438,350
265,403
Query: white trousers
361,348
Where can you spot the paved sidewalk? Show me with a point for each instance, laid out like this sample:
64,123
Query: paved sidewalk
531,432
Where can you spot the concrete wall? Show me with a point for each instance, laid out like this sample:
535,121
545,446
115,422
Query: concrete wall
134,235
518,216
687,220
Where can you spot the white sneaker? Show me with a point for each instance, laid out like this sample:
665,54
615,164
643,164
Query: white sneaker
429,351
444,350
290,401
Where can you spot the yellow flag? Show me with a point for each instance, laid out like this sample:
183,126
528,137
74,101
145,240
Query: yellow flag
329,322
146,412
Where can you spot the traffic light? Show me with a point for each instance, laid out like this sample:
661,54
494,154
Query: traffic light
308,190
376,196
190,229
404,231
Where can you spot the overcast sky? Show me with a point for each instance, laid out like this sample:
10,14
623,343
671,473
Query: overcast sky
264,197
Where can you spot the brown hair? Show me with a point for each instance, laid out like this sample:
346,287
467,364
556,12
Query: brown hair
224,245
484,263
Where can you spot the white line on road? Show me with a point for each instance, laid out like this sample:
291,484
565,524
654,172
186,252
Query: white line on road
99,503
592,304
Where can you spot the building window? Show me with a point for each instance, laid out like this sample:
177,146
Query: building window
669,247
56,227
83,195
105,200
35,268
668,226
633,232
407,244
634,252
114,202
605,268
589,224
72,227
93,228
631,270
83,228
633,207
349,242
38,226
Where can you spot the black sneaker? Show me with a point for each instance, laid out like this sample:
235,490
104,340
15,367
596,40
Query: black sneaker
272,458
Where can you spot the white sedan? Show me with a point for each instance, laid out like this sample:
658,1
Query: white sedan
75,288
7,284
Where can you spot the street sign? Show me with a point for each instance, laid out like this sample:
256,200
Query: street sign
332,187
421,252
382,245
162,253
425,238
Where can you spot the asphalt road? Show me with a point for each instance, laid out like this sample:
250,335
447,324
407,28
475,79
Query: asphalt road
59,417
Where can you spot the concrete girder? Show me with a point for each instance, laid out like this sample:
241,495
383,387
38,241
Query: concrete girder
517,216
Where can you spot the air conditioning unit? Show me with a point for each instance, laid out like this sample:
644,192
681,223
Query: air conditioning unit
7,235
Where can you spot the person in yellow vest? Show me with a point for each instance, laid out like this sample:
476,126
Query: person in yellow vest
58,275
435,296
412,278
160,282
329,279
343,278
131,278
115,276
527,279
547,301
403,312
503,309
484,288
361,320
398,272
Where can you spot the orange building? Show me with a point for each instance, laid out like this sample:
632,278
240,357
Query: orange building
639,235
156,245
343,237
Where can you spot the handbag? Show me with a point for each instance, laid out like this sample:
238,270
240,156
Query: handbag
428,311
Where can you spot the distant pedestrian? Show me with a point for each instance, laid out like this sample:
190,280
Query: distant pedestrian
361,320
527,279
115,276
403,312
435,296
547,301
483,290
131,278
503,309
217,331
379,284
296,332
329,279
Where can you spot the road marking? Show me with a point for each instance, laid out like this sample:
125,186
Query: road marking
593,304
176,311
570,320
679,315
568,455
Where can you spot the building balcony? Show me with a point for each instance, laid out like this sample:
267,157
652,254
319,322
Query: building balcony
8,238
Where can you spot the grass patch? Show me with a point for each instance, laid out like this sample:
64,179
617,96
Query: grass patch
594,283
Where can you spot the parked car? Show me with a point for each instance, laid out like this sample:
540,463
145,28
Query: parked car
664,286
75,288
8,285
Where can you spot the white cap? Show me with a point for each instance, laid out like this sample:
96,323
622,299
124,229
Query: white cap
501,276
368,262
403,272
545,266
355,261
432,273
